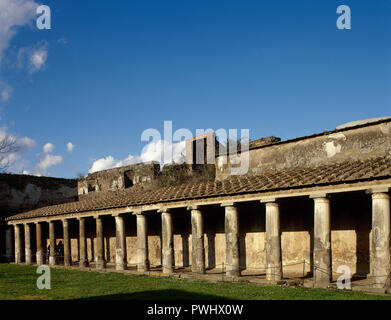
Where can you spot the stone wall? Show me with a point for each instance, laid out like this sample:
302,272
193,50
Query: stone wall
118,178
19,193
357,143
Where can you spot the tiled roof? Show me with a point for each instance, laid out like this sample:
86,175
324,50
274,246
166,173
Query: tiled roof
348,171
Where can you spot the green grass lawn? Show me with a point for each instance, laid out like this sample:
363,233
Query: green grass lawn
19,282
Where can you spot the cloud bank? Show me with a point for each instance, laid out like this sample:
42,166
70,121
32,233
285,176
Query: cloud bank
160,151
14,14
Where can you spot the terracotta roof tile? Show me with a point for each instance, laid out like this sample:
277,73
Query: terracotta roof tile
348,171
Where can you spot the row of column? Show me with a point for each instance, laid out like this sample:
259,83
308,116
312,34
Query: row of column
53,259
380,259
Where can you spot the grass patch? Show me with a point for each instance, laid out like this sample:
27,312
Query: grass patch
19,282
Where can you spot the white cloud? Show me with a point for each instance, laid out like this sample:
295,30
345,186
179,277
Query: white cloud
103,164
5,91
38,58
154,151
48,147
48,160
70,146
33,57
13,14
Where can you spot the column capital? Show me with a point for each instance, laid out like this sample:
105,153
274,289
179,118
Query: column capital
118,214
319,195
272,204
321,200
268,200
165,210
193,207
227,204
376,190
380,195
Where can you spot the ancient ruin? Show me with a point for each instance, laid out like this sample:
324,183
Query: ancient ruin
306,206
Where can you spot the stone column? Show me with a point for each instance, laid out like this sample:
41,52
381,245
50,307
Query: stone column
100,254
232,240
198,250
273,242
83,261
27,243
67,243
52,241
167,242
8,245
39,252
120,249
185,250
380,239
142,243
18,244
322,242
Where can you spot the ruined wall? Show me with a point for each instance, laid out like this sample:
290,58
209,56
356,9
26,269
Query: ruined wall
118,178
346,144
20,193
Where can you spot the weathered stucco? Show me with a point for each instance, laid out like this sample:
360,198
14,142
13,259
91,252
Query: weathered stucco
348,144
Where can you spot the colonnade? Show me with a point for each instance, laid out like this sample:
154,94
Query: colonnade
380,257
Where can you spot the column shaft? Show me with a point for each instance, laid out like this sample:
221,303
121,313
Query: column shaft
8,245
27,243
52,241
322,243
18,244
67,243
120,250
232,241
198,250
168,243
100,254
273,242
83,261
380,239
142,243
39,252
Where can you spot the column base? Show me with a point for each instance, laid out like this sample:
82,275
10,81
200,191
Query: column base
101,265
143,267
232,273
168,270
83,264
323,284
121,266
198,270
52,261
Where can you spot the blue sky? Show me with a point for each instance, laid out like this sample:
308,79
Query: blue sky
107,70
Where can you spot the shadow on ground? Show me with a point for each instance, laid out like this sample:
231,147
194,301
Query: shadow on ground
169,294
